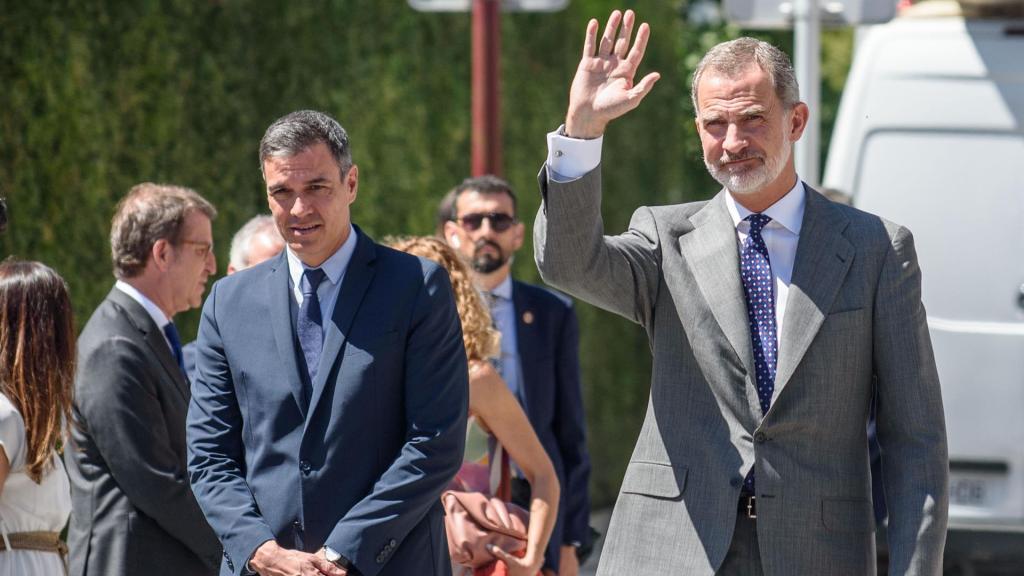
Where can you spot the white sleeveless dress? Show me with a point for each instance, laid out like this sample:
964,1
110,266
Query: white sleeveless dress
26,506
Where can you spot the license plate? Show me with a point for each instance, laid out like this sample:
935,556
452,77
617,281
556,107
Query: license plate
971,491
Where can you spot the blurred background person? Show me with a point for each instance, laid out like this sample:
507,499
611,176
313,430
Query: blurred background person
37,358
257,240
494,411
134,512
444,213
539,353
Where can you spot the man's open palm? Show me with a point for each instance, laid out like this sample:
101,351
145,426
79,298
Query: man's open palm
604,87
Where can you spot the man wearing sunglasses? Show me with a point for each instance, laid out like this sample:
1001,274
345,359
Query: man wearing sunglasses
539,352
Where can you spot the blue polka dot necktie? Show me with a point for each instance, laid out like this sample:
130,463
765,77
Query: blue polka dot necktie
759,290
309,327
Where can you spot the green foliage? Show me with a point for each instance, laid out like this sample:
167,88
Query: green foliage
101,95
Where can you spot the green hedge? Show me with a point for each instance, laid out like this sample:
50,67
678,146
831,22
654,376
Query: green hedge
98,96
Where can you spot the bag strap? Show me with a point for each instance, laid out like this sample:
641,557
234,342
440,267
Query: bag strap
504,490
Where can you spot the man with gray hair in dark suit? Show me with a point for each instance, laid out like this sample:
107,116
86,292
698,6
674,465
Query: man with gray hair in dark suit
133,510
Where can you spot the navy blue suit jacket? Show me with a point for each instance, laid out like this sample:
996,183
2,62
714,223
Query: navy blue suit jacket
547,336
361,465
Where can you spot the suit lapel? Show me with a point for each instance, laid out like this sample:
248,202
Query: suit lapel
153,336
279,299
353,287
823,257
711,252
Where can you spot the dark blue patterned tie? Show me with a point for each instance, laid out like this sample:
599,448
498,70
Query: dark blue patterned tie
172,336
759,289
310,322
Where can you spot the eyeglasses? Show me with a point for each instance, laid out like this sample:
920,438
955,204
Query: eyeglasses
499,222
203,249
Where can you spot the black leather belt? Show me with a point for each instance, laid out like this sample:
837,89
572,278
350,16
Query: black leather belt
747,506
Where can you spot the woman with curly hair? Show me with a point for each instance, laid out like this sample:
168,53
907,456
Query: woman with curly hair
494,413
37,356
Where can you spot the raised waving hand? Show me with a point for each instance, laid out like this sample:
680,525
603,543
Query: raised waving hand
604,87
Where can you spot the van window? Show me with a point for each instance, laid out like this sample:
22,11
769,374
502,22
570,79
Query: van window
974,263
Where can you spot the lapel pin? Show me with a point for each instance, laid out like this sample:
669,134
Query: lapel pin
528,317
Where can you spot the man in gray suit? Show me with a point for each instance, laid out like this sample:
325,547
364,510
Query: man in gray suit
773,314
133,510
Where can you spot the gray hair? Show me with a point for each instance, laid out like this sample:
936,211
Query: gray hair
241,244
150,212
733,57
295,132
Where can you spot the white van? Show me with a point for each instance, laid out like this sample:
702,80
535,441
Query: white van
930,134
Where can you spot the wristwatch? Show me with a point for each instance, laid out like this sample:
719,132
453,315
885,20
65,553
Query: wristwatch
334,557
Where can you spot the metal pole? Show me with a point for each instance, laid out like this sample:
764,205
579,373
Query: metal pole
807,36
486,140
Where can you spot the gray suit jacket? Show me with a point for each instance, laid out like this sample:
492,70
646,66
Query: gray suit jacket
854,315
132,508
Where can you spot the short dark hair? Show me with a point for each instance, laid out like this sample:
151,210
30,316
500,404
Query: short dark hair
295,132
150,212
486,184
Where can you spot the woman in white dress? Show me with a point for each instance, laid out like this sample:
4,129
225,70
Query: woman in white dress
36,370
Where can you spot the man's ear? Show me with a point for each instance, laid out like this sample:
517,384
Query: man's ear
519,230
451,233
351,183
798,121
162,254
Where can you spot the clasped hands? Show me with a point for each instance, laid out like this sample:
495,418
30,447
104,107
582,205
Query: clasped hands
271,559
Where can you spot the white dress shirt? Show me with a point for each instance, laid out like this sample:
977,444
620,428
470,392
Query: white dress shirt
334,267
571,158
154,311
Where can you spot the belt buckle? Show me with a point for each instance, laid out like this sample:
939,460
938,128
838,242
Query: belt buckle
751,506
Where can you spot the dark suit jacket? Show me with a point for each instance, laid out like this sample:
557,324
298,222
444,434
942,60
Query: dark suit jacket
133,512
359,467
547,335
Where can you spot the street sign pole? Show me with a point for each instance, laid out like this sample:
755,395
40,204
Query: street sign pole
807,49
486,139
486,82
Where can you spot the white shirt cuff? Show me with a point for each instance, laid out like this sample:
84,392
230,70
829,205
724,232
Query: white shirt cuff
571,158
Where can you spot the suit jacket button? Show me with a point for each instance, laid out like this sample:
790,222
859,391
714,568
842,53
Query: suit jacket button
392,543
305,466
760,437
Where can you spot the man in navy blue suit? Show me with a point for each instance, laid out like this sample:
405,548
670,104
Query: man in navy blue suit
329,408
539,352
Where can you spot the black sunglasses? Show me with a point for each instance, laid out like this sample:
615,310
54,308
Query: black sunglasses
499,222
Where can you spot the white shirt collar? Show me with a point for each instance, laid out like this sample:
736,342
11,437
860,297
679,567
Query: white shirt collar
335,266
154,311
788,211
504,289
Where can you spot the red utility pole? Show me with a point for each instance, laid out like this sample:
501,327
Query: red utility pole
486,141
